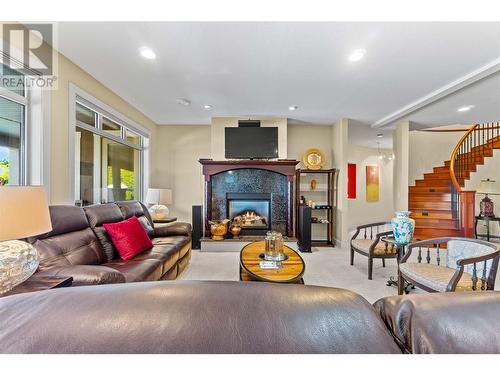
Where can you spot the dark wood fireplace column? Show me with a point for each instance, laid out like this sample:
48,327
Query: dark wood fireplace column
213,167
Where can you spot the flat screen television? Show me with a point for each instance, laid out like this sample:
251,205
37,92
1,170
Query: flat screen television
251,143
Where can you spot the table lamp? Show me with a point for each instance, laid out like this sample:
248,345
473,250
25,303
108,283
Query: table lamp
486,205
159,198
23,213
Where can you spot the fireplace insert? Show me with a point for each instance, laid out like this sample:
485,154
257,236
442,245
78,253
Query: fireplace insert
250,211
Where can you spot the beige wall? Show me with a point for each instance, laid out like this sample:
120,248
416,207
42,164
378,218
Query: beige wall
302,137
60,191
429,150
218,139
359,210
400,140
177,167
340,145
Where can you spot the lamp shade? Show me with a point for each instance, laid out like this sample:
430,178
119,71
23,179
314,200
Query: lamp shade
488,187
23,212
159,196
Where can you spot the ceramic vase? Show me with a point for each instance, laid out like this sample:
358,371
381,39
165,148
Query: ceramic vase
403,227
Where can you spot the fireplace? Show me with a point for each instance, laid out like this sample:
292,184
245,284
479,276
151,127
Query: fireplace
265,184
250,211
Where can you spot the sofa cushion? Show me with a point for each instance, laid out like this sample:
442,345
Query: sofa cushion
79,247
129,237
444,323
137,209
87,275
167,254
178,241
435,277
66,219
138,270
99,214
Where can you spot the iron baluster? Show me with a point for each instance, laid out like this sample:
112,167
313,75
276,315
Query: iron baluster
474,276
438,259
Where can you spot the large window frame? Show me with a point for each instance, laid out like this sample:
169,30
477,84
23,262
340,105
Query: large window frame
35,134
79,96
24,102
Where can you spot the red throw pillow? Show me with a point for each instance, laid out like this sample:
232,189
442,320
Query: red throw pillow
129,237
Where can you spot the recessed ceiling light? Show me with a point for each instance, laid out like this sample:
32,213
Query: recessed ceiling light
147,53
184,102
380,135
465,109
293,108
357,55
207,106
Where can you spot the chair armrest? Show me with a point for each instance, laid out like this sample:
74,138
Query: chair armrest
464,261
384,234
176,229
87,274
461,263
364,226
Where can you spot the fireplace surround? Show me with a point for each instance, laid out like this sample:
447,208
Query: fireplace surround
267,180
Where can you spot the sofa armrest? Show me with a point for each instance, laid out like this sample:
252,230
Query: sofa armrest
87,274
176,229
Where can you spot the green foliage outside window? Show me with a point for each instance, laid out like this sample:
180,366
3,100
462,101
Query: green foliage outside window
127,180
4,172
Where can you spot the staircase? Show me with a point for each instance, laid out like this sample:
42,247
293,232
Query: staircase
433,200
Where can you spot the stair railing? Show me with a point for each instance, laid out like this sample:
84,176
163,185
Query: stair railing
472,148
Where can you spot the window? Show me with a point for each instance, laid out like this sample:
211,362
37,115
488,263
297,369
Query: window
85,115
109,156
12,130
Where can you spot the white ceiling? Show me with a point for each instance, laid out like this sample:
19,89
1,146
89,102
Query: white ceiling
261,69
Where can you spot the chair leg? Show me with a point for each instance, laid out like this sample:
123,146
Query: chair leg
352,257
370,268
401,283
383,262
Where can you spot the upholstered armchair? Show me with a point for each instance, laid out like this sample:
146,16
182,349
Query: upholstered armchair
367,241
468,265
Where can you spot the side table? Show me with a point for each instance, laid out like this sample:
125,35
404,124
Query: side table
37,283
401,250
165,221
487,219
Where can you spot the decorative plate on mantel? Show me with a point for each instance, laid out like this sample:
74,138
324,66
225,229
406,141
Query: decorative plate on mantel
314,159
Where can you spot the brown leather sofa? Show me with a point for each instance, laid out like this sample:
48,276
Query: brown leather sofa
79,246
444,323
244,317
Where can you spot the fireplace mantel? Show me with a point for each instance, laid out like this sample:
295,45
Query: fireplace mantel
286,168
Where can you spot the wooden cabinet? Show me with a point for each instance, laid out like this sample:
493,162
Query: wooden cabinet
320,188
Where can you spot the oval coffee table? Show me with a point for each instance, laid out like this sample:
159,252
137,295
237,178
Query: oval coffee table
292,271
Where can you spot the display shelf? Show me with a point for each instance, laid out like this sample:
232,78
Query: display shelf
324,193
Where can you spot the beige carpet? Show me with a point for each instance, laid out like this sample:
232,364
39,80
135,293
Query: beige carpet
324,266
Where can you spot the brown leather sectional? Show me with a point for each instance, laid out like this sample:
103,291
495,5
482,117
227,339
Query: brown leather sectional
79,246
245,317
